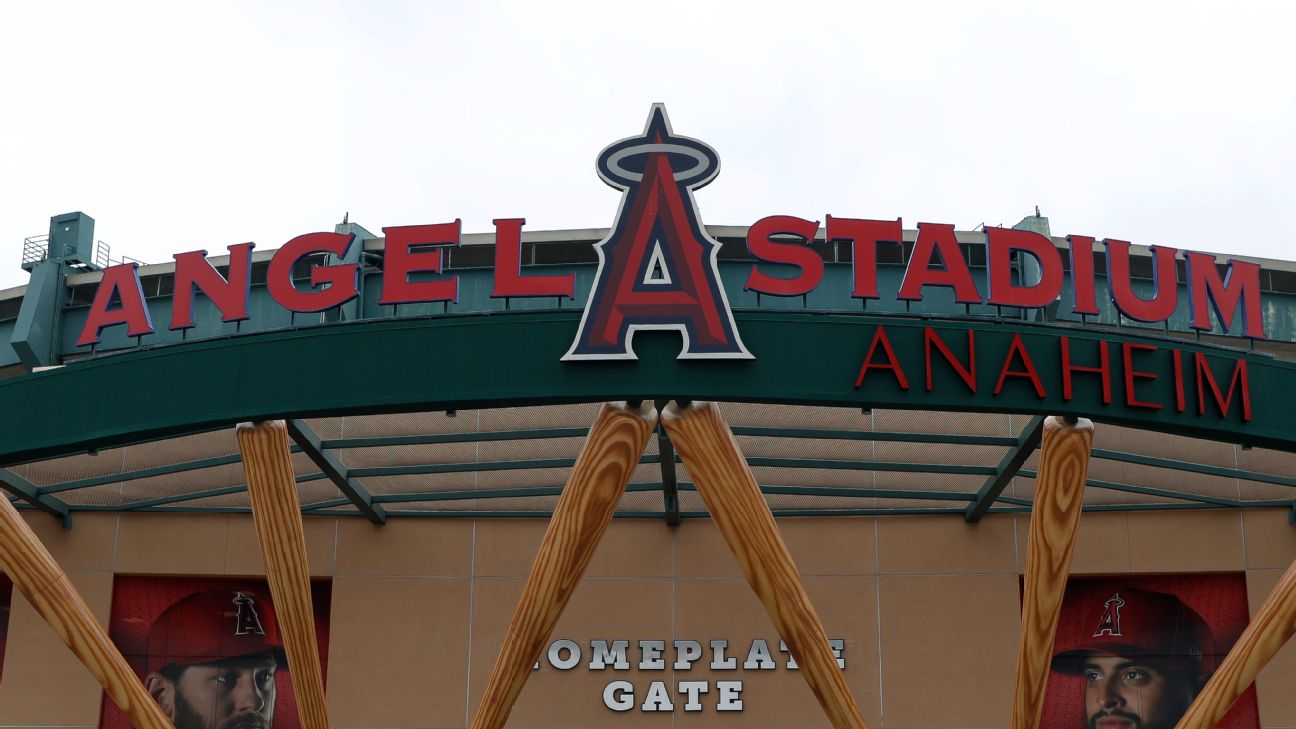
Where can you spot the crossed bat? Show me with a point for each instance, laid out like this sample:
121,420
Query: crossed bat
598,480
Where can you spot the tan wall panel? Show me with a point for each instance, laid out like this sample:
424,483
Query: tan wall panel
405,547
1102,544
1208,540
88,545
181,544
946,545
43,682
819,546
210,544
630,548
398,652
507,547
1274,685
949,649
1270,538
607,609
700,551
830,546
243,551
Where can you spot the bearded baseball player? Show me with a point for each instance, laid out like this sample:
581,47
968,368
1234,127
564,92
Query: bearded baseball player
212,661
1148,656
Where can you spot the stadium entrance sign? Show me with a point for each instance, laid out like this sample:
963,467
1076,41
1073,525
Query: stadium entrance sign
658,267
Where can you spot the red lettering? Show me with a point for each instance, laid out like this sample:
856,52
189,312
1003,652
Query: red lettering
401,259
1240,287
891,363
1103,369
953,272
230,295
335,285
1239,381
1000,244
798,255
1018,348
1120,284
967,374
1083,289
509,281
1178,380
1131,374
864,235
120,284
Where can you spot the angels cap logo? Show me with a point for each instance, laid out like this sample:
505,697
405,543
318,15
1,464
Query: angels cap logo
657,267
1110,622
246,621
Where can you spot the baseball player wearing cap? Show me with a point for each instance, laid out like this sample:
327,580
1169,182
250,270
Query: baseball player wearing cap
212,661
1144,656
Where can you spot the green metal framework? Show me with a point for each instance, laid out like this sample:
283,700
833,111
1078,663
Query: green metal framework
444,363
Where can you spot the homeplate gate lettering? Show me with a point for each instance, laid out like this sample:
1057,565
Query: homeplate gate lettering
681,655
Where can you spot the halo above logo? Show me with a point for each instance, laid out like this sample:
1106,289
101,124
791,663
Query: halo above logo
658,268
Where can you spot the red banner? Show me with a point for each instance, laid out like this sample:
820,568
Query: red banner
6,594
1135,651
209,650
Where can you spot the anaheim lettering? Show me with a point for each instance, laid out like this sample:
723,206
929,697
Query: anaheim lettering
1152,376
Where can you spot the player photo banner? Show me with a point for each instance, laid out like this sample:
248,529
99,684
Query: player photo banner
209,650
1135,651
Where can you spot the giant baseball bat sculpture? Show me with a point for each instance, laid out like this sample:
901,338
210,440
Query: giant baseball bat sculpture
597,482
722,478
1055,515
47,587
276,512
1271,627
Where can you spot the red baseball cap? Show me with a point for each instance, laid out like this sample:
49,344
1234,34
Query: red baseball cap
207,627
1140,624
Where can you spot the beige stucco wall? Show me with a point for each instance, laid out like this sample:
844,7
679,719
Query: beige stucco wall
928,606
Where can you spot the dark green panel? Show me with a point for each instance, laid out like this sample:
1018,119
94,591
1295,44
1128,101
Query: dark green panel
507,359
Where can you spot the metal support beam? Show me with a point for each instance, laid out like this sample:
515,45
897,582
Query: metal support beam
1152,491
670,491
182,467
337,472
1180,465
28,491
1027,441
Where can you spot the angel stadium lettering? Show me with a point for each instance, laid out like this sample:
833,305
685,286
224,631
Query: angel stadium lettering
678,655
412,268
658,269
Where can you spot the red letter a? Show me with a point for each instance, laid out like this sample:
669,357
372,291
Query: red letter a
119,283
880,338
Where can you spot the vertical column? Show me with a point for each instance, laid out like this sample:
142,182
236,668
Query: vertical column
277,513
1055,514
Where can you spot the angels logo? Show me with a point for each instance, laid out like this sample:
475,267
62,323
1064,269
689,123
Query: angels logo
1110,622
657,267
247,621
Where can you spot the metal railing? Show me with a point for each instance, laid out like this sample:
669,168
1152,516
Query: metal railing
35,250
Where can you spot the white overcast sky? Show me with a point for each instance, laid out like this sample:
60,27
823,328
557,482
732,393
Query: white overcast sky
181,126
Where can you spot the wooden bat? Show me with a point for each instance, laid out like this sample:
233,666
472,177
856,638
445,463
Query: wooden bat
272,485
597,482
1271,627
1055,515
722,478
47,587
